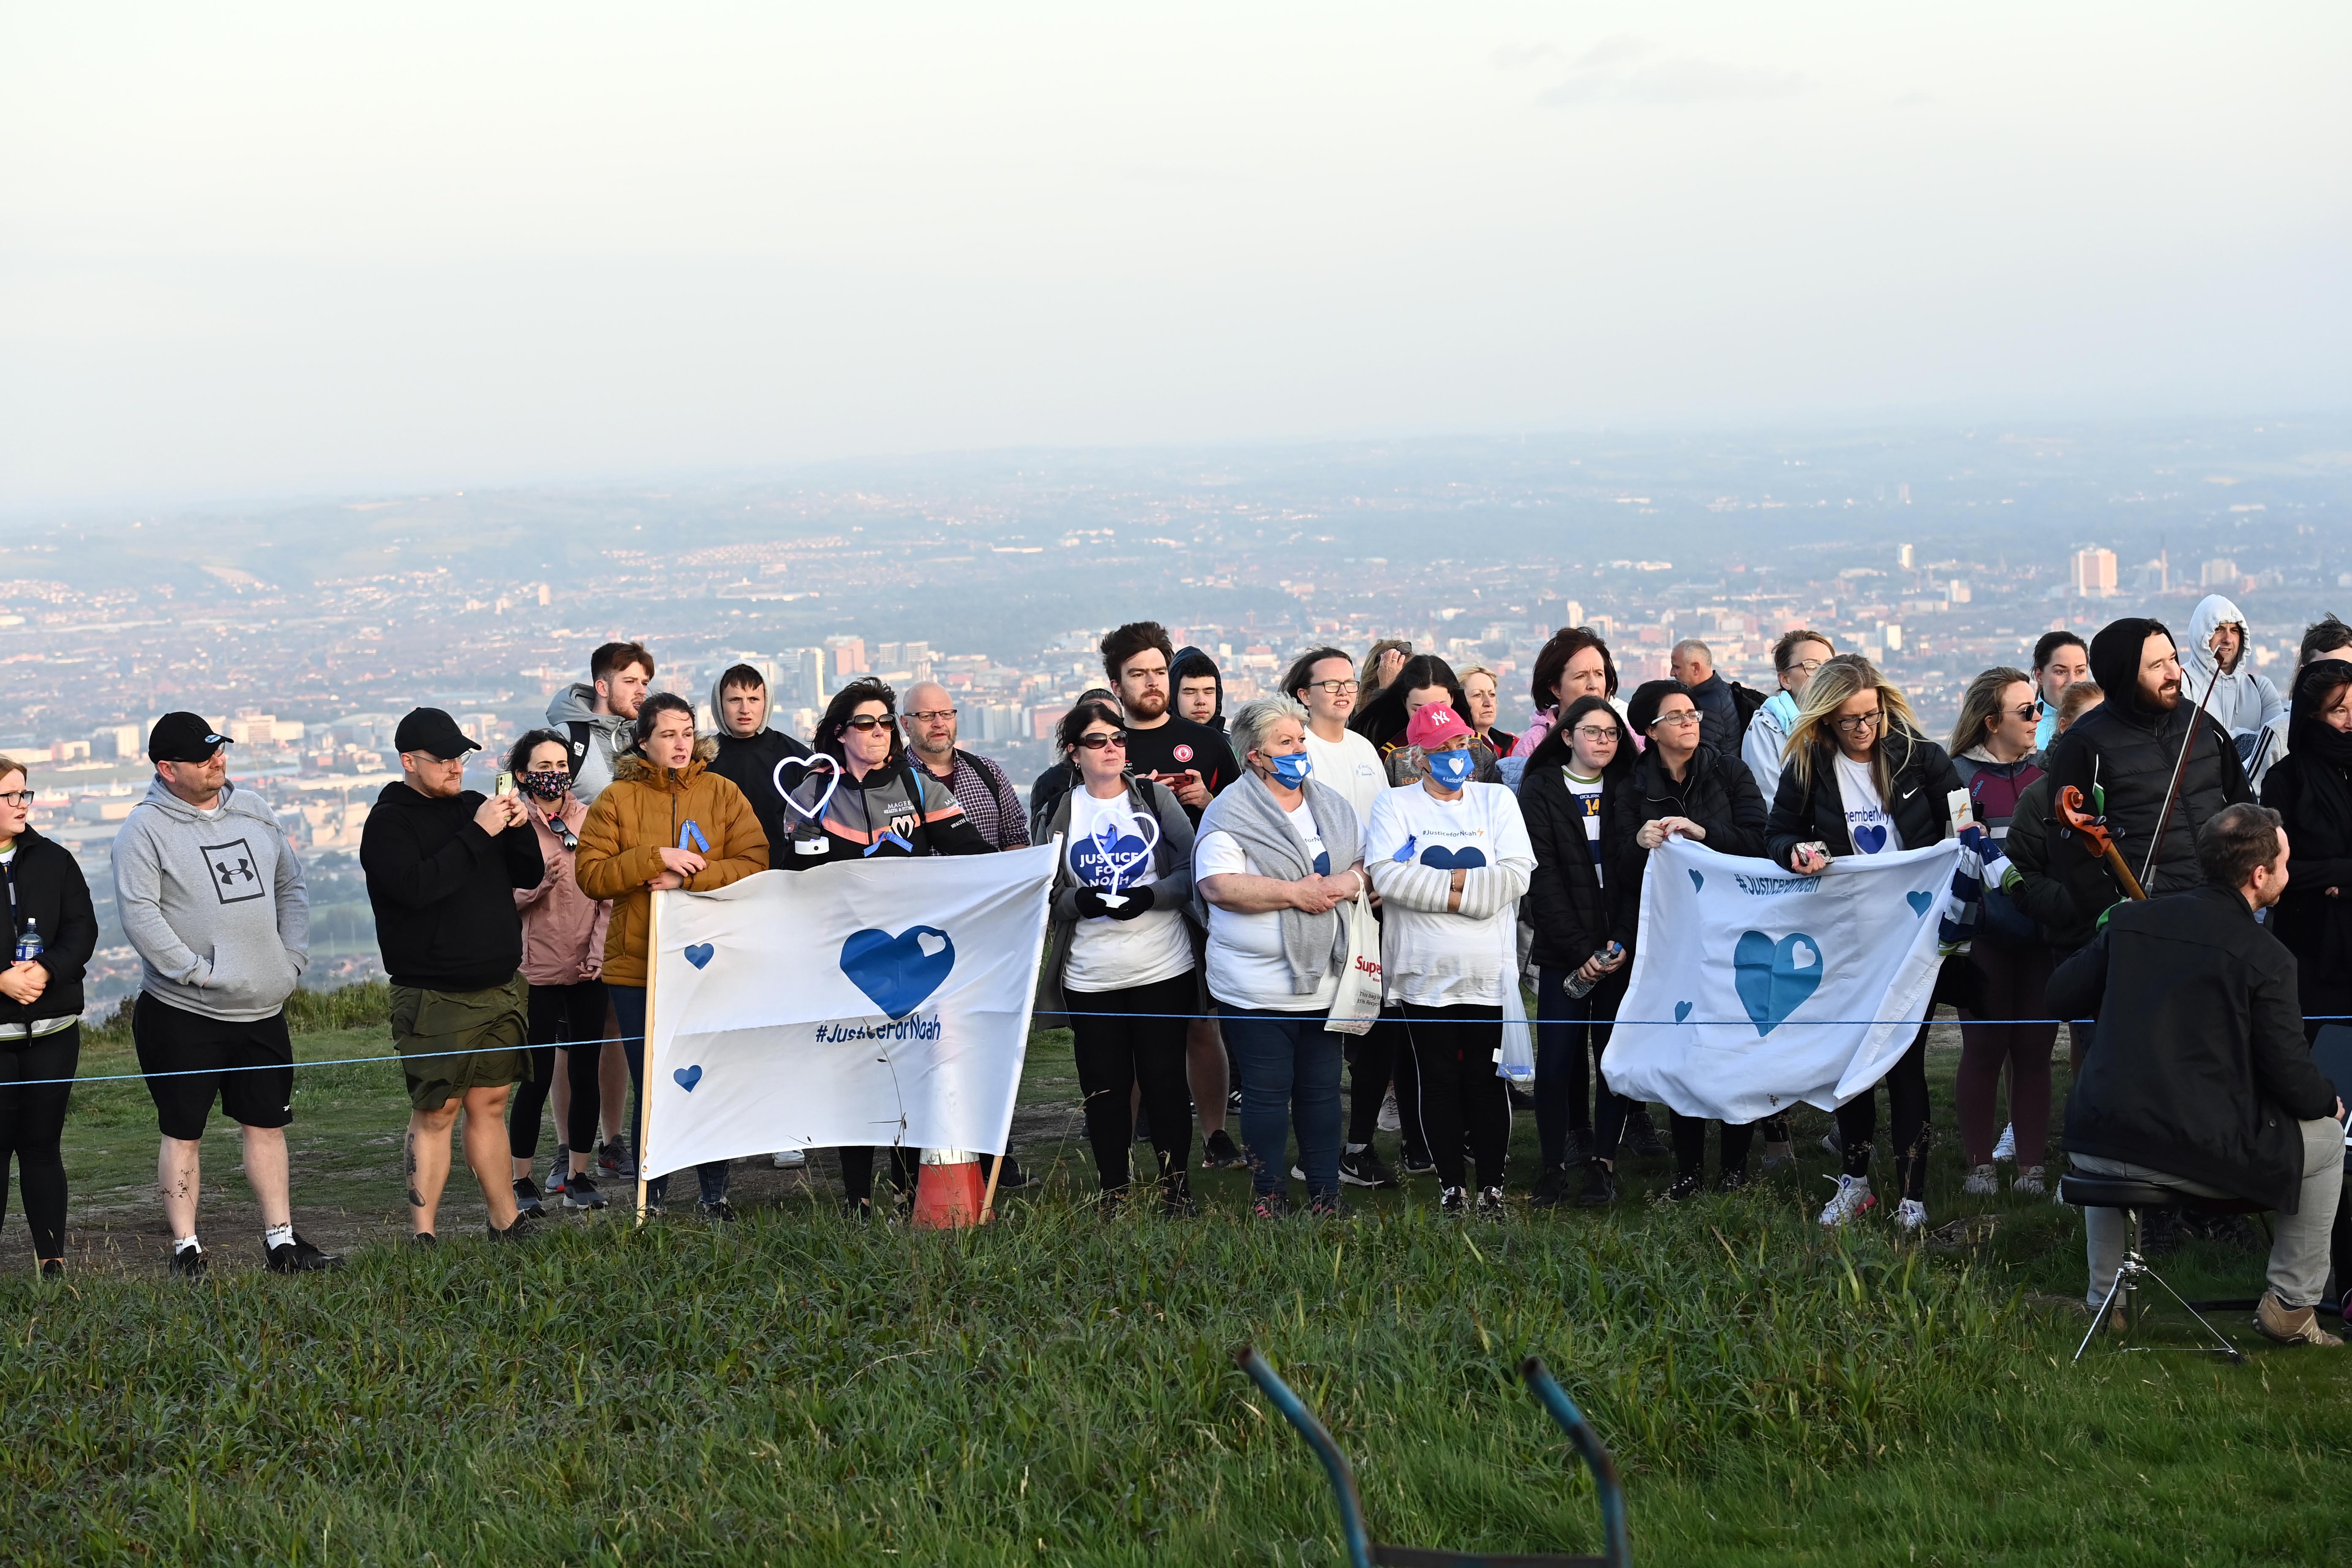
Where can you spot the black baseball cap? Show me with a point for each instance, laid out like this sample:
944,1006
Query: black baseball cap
434,732
184,738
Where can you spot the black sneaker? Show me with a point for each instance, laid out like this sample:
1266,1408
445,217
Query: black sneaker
514,1232
52,1268
1579,1146
1550,1188
1490,1203
613,1158
1220,1153
1143,1125
1011,1177
526,1198
1733,1179
1176,1196
1365,1168
1452,1201
298,1256
1641,1134
580,1192
1271,1205
1682,1187
718,1211
561,1173
1413,1164
1330,1205
1600,1186
424,1240
188,1263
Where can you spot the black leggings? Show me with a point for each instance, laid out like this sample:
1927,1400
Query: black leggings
857,1171
584,1058
1906,1091
32,1121
559,1016
1377,1059
1690,1144
1461,1094
1117,1054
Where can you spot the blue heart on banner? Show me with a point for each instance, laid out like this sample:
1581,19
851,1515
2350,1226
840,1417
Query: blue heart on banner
1698,883
1920,902
1683,1009
1774,979
688,1077
699,954
1466,859
1869,840
899,972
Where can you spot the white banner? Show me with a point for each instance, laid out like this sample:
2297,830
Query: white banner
880,1002
1753,988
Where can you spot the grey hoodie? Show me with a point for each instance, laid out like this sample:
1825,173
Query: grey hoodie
215,903
2247,704
607,738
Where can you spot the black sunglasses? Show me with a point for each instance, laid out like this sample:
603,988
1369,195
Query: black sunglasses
866,721
1098,741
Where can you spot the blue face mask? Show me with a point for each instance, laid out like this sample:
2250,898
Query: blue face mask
1451,769
1291,770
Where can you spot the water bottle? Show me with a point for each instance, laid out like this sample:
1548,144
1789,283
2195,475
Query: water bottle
1577,985
29,945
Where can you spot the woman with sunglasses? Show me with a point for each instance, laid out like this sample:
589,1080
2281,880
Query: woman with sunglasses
1860,779
40,1012
860,799
1993,752
1120,970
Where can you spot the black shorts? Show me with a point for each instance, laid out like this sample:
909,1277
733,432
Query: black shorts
191,1059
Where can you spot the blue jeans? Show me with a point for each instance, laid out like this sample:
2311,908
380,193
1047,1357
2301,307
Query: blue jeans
1565,1025
629,1008
1288,1063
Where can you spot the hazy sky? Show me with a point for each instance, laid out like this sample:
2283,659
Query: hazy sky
250,249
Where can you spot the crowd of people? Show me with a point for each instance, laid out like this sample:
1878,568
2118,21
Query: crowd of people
1200,917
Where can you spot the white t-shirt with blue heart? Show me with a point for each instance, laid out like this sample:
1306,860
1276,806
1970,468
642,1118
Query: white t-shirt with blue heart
1113,955
1438,960
1866,821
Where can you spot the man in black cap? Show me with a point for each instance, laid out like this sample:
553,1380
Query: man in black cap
212,898
442,869
2123,757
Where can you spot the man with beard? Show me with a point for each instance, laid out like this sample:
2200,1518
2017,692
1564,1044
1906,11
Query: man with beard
2122,756
980,786
593,717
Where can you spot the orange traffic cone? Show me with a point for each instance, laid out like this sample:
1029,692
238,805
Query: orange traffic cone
948,1193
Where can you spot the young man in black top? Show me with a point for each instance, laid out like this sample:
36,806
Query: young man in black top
1196,762
750,749
442,863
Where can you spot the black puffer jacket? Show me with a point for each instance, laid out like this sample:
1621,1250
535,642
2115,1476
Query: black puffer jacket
2198,1069
1570,911
2129,751
2311,788
50,892
2064,899
1720,796
1923,776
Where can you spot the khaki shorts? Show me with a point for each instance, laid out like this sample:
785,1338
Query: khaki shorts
451,1041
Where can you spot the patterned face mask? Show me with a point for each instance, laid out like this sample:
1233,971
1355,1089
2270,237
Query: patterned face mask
545,784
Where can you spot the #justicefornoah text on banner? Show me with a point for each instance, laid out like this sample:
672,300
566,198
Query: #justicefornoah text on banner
1753,987
882,1003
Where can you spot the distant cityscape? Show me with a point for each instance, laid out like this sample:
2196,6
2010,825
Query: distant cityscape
306,630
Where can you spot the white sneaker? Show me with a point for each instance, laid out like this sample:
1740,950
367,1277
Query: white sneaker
2032,1182
1911,1215
1983,1182
2006,1150
1389,1122
1852,1197
790,1159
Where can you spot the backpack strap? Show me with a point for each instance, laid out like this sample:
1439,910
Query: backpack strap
580,730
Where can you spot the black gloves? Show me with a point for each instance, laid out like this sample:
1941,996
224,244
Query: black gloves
1137,901
1090,904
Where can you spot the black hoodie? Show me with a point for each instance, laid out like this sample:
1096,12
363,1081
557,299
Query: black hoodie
46,887
443,890
2123,752
2311,788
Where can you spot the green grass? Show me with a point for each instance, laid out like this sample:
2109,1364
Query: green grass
1060,1388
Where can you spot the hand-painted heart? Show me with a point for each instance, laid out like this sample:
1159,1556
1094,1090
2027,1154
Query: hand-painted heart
688,1077
698,953
1110,856
1469,858
1869,840
899,972
1774,979
1919,902
811,763
1698,883
1681,1011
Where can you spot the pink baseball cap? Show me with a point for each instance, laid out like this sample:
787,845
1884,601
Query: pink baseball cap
1434,726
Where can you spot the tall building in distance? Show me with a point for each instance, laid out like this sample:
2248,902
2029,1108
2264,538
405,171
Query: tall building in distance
848,658
2094,574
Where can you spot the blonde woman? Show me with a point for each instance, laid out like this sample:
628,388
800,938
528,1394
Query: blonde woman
1484,689
1860,779
1381,666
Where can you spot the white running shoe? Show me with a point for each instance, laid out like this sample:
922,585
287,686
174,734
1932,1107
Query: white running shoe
790,1159
1983,1182
2006,1150
1389,1122
1854,1196
1911,1215
2032,1182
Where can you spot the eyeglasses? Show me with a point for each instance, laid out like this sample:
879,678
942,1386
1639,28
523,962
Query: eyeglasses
1338,688
1680,716
864,723
931,716
1102,739
1594,732
1856,723
1809,666
18,797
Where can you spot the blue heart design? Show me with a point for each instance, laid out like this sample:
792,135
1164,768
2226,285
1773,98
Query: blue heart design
1126,854
1774,980
1920,902
688,1077
1469,858
898,973
1681,1009
1869,840
1698,883
699,954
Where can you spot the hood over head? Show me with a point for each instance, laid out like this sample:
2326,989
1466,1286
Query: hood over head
719,714
2307,732
2115,658
1194,662
2213,612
